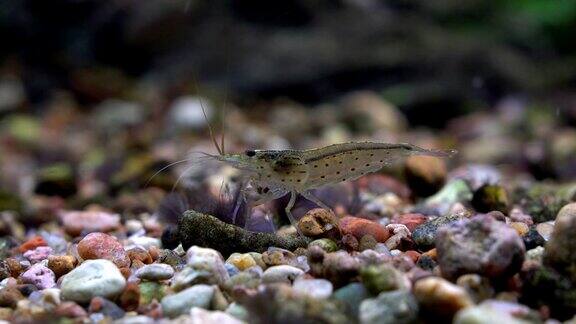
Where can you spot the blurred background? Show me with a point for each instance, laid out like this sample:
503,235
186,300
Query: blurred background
95,96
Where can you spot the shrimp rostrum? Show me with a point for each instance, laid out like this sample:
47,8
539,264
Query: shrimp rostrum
275,173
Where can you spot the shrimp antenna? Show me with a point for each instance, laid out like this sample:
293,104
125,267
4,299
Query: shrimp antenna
218,148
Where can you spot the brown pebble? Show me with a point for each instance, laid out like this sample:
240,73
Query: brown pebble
140,255
70,309
15,267
9,297
103,246
412,255
5,314
432,254
61,264
130,297
126,272
367,242
137,264
154,252
361,226
319,223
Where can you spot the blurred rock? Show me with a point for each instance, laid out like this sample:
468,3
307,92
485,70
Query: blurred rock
496,311
425,175
360,227
76,222
92,278
560,248
390,308
182,302
441,299
489,198
479,245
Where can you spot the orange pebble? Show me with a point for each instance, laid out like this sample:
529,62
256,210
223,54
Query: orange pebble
412,255
32,243
431,253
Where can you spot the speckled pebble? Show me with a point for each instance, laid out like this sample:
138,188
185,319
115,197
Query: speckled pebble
103,246
281,273
40,276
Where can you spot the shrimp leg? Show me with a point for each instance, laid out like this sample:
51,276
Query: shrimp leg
241,198
288,210
309,196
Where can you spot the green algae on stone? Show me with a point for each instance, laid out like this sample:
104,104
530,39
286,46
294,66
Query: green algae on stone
543,201
208,231
382,278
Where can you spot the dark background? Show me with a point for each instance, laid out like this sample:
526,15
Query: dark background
447,57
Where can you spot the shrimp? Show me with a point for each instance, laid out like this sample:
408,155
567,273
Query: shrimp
276,173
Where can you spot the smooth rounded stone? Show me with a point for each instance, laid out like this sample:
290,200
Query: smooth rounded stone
155,271
61,264
238,311
281,273
205,259
411,221
232,270
425,235
135,319
90,279
182,302
76,222
478,287
351,296
325,244
38,254
275,256
497,311
390,308
383,277
439,297
241,261
70,309
319,223
559,251
425,175
316,288
358,227
40,276
199,315
545,229
103,246
479,245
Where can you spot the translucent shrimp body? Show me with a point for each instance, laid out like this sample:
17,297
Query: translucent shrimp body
275,173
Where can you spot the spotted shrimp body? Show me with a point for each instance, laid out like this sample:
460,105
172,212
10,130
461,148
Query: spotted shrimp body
275,173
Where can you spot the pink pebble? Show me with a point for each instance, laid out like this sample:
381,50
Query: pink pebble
40,276
38,254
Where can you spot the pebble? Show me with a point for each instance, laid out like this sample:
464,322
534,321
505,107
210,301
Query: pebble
149,291
425,235
106,308
140,254
32,243
340,267
479,288
497,311
394,307
90,279
453,192
103,246
491,198
315,288
358,227
399,233
61,264
319,223
130,297
241,261
351,296
411,221
40,276
425,175
76,222
325,244
559,252
479,245
199,315
533,239
545,229
520,228
208,260
9,297
182,302
155,272
70,309
384,277
281,273
38,254
441,299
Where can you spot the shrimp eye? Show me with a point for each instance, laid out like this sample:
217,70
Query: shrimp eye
250,153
